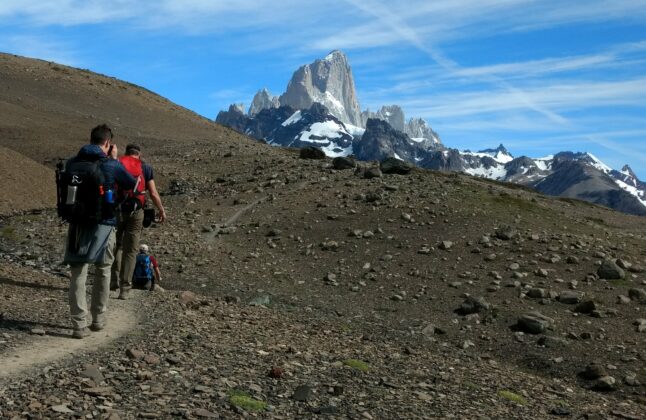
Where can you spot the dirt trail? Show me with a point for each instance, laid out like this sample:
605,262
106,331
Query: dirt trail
122,317
212,236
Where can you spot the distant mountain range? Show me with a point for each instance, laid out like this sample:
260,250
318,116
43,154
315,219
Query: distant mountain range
320,108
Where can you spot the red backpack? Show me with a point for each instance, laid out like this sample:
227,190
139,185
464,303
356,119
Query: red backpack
136,197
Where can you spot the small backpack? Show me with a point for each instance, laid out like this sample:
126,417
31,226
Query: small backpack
143,269
136,198
80,191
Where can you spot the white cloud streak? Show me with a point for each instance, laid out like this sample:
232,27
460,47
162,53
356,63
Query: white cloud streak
330,25
41,48
560,97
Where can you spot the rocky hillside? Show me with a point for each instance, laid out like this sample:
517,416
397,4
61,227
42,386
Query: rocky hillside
24,183
357,293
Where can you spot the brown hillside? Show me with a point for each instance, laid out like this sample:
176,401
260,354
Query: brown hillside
47,110
25,184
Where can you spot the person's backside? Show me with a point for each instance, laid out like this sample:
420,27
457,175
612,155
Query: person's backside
146,274
91,237
130,219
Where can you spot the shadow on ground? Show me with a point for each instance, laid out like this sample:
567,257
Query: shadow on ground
12,282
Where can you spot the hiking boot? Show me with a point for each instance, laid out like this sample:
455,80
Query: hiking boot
97,326
80,333
123,294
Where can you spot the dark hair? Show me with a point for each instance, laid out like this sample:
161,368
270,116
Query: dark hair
100,134
132,149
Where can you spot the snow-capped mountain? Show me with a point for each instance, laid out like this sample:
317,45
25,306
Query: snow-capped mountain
320,108
566,174
381,140
416,128
328,82
289,127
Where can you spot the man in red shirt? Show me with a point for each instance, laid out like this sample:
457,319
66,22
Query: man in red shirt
131,217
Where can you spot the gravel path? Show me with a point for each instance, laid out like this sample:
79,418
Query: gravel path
44,350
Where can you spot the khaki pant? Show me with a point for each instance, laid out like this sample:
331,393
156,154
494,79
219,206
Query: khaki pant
129,227
100,288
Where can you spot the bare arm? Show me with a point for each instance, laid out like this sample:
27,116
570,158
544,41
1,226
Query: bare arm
157,275
154,196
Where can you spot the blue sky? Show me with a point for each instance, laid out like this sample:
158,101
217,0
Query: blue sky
539,76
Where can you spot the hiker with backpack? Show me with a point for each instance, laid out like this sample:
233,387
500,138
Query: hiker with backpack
147,275
130,218
86,187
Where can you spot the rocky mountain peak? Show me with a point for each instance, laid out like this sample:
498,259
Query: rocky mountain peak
500,149
418,128
336,55
392,114
627,170
234,117
263,100
328,81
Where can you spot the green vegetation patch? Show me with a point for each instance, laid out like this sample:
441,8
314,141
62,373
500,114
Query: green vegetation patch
9,233
511,396
471,386
357,364
619,282
243,400
516,203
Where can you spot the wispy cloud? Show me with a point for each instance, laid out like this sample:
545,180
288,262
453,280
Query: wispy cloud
618,56
232,95
42,48
397,23
559,97
423,22
331,24
69,12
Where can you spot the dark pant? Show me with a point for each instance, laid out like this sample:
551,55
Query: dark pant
129,227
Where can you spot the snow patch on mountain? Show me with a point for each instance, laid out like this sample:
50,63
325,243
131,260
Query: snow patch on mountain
597,163
321,133
545,163
355,131
327,129
500,157
296,117
497,172
640,194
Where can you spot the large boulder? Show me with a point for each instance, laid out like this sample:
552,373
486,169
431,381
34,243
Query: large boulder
534,323
506,232
393,165
340,163
472,305
609,270
312,153
638,295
